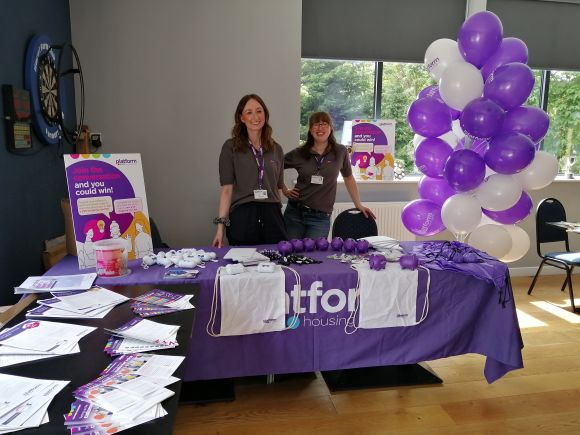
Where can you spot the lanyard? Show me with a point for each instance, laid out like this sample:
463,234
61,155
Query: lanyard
319,160
259,157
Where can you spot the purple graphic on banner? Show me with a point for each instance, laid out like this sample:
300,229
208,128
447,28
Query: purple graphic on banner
95,179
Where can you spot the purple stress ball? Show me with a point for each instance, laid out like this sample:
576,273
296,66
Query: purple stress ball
336,244
377,262
349,245
410,261
362,246
309,244
297,245
322,244
285,247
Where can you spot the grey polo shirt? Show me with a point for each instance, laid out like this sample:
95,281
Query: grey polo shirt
240,169
319,196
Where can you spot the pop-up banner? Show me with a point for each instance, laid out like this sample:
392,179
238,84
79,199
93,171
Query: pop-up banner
373,147
108,201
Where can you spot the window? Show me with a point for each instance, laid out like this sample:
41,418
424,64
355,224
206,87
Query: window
563,138
342,88
346,90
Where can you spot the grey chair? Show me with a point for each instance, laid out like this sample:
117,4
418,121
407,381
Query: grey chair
552,210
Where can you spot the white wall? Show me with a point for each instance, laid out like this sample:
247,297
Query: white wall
162,78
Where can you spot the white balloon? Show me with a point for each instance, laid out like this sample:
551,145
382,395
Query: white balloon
520,243
439,55
498,192
448,137
486,220
417,139
460,83
493,239
540,173
461,213
456,128
489,172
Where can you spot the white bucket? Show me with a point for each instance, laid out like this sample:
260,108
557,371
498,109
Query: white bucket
111,258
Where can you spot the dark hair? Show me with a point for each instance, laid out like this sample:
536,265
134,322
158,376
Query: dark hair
240,132
315,118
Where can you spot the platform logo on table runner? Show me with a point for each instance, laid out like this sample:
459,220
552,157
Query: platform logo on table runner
314,299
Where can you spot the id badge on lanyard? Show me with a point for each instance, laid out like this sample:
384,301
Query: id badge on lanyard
317,178
259,193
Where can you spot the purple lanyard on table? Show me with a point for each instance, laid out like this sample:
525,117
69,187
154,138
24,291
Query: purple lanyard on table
319,160
259,157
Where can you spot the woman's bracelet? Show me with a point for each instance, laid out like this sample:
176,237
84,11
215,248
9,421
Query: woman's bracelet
222,220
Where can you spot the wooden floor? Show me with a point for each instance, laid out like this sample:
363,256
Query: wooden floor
543,397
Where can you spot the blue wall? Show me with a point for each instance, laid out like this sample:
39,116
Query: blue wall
30,186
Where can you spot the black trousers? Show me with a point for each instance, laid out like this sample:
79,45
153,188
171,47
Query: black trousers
256,223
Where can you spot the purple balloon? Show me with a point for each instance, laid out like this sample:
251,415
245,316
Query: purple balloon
464,170
309,244
433,92
431,155
435,189
528,120
510,85
479,37
322,244
509,153
429,117
285,247
336,243
362,246
480,146
514,214
422,217
482,118
297,245
510,50
349,245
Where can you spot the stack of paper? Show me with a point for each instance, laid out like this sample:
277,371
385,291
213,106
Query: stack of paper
158,302
245,256
128,392
95,303
37,339
44,284
141,335
24,401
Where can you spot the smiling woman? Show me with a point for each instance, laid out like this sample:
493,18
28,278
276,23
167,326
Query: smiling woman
251,177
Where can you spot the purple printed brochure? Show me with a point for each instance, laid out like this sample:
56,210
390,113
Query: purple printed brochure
83,413
162,297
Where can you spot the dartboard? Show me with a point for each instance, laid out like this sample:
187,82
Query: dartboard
46,97
48,88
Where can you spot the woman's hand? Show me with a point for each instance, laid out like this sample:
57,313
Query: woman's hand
367,212
218,240
291,193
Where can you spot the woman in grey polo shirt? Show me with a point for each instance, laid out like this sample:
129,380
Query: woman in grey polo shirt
251,168
318,163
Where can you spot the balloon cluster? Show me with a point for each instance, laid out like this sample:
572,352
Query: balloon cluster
477,142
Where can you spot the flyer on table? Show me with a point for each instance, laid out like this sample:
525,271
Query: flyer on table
373,148
108,201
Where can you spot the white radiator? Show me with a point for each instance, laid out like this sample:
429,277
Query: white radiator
388,215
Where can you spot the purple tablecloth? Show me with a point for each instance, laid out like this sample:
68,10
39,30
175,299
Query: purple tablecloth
464,317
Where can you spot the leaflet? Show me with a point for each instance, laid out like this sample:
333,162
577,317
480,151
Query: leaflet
39,335
45,284
147,330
